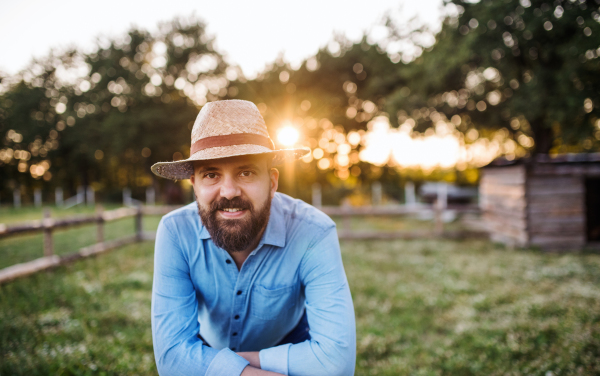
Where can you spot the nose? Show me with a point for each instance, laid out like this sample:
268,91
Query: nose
230,188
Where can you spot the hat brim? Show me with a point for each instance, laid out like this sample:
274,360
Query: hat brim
180,170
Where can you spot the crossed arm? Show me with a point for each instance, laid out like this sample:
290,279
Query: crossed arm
253,369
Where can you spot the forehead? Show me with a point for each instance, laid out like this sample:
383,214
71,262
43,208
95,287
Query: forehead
259,161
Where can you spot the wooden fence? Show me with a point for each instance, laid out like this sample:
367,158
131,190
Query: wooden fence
434,211
47,225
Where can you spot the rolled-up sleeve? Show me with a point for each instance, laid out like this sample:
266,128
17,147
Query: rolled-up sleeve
177,349
331,350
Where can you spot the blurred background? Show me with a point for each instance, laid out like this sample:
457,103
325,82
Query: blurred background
408,108
432,92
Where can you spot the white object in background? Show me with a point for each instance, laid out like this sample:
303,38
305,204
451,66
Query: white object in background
17,198
377,193
410,198
80,195
37,197
90,197
150,196
316,195
442,195
126,197
58,196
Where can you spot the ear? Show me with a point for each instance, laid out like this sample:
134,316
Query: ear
274,175
193,181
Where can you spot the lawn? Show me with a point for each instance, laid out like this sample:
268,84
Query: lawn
423,307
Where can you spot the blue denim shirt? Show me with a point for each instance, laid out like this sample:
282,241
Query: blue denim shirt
297,266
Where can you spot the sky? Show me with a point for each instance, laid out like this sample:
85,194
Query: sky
250,33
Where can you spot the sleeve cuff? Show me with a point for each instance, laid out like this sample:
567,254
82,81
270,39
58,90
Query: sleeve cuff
275,359
227,363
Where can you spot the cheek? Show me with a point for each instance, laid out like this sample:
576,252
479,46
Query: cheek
205,194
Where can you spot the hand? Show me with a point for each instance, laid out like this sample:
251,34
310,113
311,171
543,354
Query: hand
251,371
252,357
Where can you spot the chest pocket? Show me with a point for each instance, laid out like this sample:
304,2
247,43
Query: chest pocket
271,304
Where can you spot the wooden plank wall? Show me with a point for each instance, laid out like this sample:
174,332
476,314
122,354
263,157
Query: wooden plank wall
556,211
503,204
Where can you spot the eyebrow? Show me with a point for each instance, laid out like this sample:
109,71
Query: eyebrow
208,168
242,167
249,165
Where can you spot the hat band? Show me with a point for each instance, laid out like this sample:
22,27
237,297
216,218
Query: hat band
231,140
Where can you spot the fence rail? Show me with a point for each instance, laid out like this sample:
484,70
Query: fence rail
436,211
47,225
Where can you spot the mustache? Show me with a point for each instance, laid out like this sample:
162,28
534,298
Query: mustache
236,202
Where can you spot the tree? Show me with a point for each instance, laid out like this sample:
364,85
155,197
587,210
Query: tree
527,67
104,118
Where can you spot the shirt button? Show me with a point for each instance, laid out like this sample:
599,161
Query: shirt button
228,261
237,317
234,334
239,292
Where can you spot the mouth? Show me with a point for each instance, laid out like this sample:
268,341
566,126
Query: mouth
232,212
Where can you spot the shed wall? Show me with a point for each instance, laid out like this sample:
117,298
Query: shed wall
502,198
556,211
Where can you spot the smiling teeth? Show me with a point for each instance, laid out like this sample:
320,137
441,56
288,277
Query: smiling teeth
232,210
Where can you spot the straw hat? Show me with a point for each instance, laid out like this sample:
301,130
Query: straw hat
225,129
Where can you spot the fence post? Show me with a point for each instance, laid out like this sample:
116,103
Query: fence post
100,224
47,222
442,195
138,223
80,195
316,195
58,196
376,193
409,194
37,197
151,196
126,196
90,195
17,198
439,223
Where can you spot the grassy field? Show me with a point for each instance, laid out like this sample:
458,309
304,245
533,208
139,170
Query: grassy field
423,307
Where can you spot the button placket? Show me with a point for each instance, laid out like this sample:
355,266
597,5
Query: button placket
238,307
240,295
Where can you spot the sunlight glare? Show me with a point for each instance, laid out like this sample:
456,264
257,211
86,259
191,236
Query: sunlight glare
288,135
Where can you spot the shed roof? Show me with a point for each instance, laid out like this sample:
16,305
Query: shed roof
569,158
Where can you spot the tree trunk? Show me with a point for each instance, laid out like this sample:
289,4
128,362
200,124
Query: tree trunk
543,136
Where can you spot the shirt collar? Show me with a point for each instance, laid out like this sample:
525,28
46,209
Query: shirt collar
275,231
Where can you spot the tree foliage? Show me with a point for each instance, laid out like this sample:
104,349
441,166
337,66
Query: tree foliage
104,118
525,69
529,67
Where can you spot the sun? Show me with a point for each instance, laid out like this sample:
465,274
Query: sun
288,135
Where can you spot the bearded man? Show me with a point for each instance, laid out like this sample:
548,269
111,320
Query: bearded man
247,281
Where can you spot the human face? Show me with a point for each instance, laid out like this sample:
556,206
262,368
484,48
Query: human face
234,196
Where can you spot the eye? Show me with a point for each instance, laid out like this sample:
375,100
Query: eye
246,173
210,175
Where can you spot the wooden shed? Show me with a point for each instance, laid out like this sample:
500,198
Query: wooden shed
548,202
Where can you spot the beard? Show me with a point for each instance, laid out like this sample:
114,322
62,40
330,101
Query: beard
234,235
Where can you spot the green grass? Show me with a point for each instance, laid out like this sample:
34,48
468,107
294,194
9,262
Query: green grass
423,307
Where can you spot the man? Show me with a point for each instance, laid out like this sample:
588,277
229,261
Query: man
247,281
